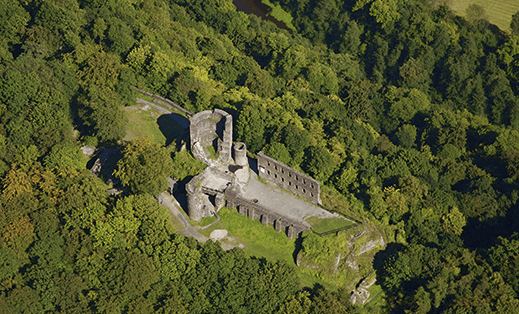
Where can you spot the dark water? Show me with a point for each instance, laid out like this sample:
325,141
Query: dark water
257,8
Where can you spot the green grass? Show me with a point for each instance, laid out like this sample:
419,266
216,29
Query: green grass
206,221
177,224
259,240
499,12
143,123
145,97
329,224
212,152
279,14
377,304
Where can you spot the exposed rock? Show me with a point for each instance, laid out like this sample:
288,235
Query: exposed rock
88,151
218,234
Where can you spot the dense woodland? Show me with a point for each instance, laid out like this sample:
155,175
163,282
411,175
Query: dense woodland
409,112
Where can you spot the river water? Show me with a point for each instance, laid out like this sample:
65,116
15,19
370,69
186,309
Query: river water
256,7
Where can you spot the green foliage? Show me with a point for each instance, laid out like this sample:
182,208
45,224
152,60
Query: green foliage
454,221
144,167
184,165
212,152
410,112
319,163
65,155
514,24
384,12
277,151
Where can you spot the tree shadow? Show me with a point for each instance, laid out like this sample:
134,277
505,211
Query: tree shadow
173,126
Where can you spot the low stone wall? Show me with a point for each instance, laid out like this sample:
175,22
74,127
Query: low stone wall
164,101
255,211
289,178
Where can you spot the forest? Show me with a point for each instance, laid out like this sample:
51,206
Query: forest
406,113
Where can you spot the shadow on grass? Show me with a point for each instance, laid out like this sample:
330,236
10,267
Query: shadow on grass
298,246
173,126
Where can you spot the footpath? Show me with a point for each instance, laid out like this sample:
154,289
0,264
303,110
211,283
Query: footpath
171,203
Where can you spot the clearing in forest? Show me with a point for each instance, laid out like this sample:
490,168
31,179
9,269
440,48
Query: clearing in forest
498,12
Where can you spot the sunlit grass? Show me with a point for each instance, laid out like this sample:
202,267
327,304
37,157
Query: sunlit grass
279,14
329,224
143,123
499,12
259,241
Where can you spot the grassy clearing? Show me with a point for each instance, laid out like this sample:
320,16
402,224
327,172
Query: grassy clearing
207,220
279,14
499,12
144,123
259,240
329,224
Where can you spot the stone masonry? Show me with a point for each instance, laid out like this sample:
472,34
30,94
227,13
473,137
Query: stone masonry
289,178
229,181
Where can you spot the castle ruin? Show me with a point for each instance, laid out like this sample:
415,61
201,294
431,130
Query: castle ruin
229,181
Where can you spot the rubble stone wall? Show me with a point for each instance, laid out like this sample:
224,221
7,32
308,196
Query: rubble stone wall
211,128
289,178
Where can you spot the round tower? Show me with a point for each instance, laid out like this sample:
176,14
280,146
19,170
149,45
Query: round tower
240,154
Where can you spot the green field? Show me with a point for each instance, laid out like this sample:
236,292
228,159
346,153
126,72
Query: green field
261,241
144,123
499,12
329,224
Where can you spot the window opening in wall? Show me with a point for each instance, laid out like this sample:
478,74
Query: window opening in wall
282,170
276,176
289,174
268,163
268,171
289,183
276,167
283,179
297,179
312,185
297,187
311,194
304,181
304,191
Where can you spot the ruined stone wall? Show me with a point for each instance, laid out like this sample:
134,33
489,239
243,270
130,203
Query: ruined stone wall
225,139
245,207
289,178
198,202
208,128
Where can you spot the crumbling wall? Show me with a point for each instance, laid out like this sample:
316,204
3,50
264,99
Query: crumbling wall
255,211
198,203
289,178
211,128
